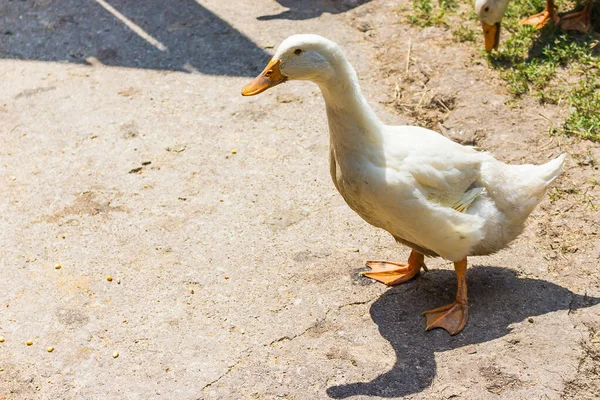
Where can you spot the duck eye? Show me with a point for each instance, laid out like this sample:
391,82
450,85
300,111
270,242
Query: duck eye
486,9
297,51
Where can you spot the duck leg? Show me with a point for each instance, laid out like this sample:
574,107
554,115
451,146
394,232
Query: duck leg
452,317
392,273
579,21
541,19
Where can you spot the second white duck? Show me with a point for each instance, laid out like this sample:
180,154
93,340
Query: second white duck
491,12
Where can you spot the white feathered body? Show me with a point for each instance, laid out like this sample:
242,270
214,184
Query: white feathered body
412,180
433,194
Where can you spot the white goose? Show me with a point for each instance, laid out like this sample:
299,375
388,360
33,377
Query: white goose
436,196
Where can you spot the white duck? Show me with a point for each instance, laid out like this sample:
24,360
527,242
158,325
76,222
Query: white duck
436,196
491,12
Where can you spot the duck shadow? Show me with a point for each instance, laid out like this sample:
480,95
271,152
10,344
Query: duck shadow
497,299
307,9
178,35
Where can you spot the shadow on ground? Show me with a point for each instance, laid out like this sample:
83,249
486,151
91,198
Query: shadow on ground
497,299
551,37
307,9
178,35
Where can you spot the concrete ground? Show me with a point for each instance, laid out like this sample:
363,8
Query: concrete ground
127,151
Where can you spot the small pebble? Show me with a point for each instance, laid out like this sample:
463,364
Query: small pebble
57,266
115,354
1,339
530,320
29,343
50,349
109,278
226,277
233,151
119,281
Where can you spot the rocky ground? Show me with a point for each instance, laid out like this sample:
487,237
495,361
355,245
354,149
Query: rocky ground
127,151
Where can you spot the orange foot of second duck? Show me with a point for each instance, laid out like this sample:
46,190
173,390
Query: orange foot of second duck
579,21
541,19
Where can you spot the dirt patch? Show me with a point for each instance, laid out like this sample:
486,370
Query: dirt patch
129,130
33,92
84,204
17,384
498,381
587,383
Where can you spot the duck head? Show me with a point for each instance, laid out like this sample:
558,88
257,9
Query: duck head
299,57
490,13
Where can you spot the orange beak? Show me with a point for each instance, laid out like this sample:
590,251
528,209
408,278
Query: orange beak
491,34
271,76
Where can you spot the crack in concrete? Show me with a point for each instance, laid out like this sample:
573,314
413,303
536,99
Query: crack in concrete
321,320
289,338
224,374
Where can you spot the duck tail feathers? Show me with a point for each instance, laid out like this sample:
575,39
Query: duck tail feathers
552,169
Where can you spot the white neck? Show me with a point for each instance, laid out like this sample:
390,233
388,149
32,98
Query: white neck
352,122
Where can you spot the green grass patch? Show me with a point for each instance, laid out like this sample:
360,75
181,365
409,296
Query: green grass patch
554,66
464,34
584,118
427,13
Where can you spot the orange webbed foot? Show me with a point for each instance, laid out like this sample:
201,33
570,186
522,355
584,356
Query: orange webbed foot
579,21
538,20
452,317
391,273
